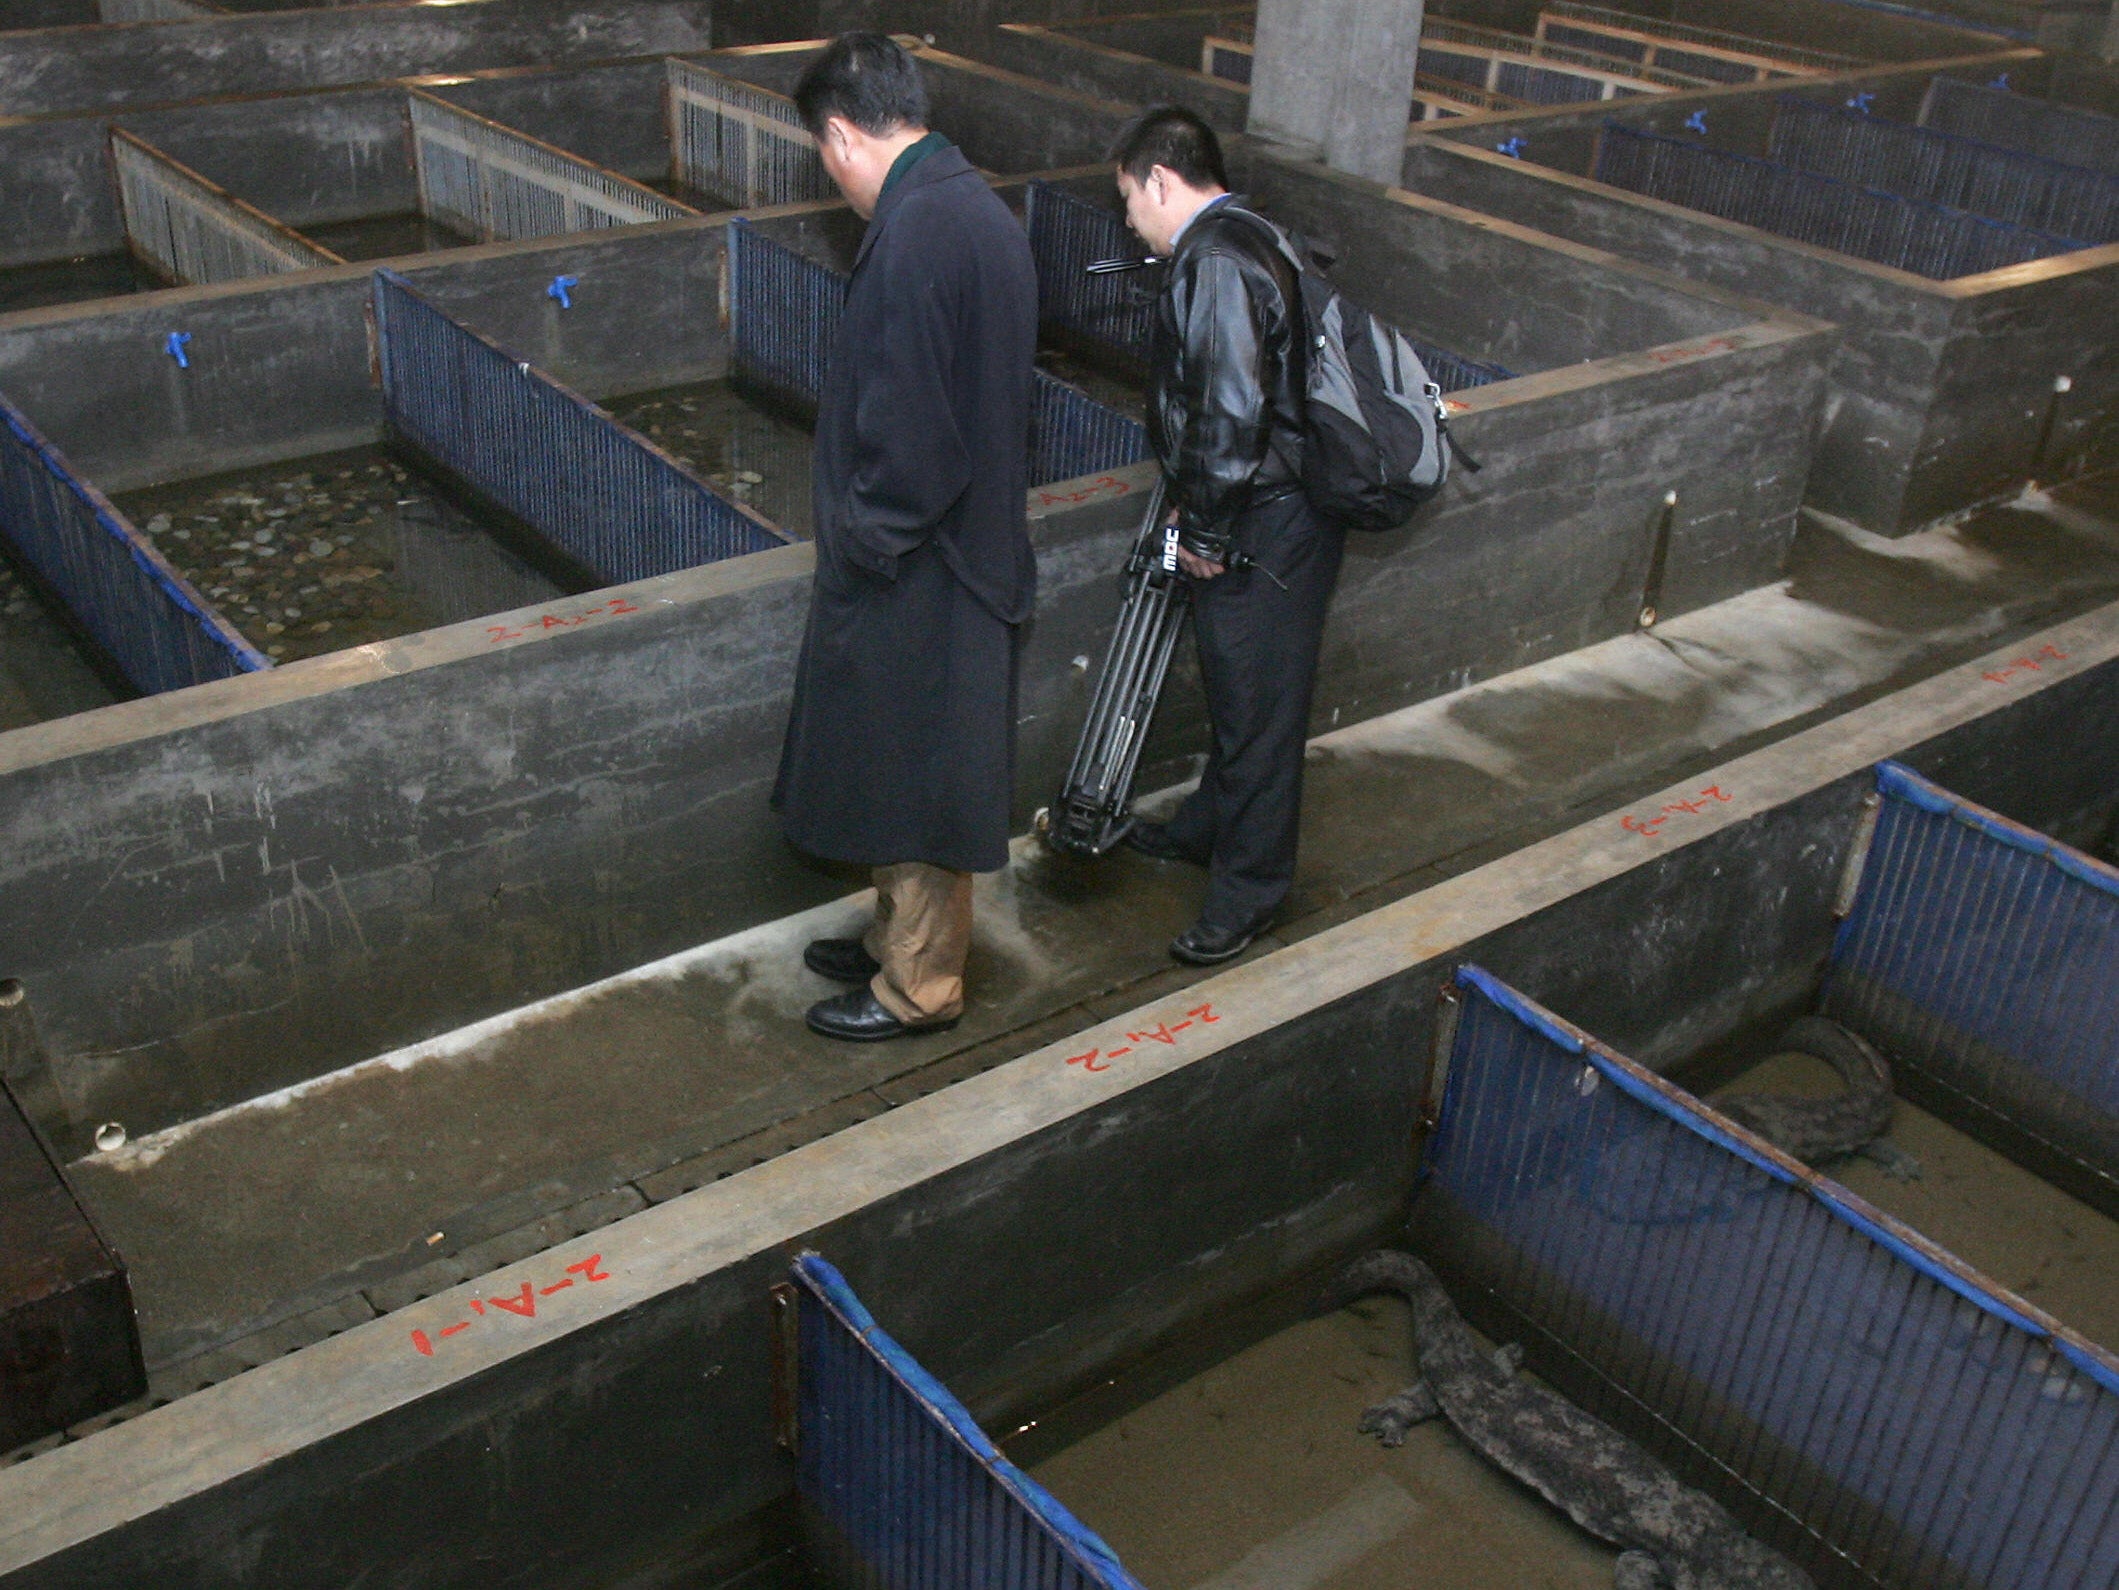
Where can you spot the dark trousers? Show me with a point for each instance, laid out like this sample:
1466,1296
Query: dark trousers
1258,659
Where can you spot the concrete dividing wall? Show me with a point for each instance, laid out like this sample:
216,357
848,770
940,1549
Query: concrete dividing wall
1869,33
303,158
164,63
611,113
445,826
1024,1232
1084,60
281,369
1003,122
1597,437
1940,391
395,888
315,157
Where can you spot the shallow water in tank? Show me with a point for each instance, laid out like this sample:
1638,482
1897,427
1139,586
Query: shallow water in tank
318,554
385,236
46,669
1252,1475
743,449
71,281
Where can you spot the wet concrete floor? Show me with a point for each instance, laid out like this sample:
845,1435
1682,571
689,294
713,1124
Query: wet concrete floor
397,1177
743,449
318,554
1251,1475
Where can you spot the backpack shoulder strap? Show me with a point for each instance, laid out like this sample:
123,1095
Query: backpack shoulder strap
1298,307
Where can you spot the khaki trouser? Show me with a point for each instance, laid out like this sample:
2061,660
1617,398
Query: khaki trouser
921,934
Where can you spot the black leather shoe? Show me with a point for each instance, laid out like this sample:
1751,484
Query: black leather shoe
859,1017
841,960
1153,839
1203,944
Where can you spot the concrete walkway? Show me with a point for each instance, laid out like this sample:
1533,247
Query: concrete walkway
255,1230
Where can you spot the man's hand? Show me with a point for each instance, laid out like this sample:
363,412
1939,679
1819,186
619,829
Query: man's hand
1197,567
1194,566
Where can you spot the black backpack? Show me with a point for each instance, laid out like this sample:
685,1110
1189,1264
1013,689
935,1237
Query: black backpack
1376,433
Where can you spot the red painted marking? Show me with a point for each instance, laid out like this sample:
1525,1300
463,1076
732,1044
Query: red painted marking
1691,806
477,1307
1181,1026
1695,350
587,1270
523,1303
1115,1053
419,1340
1205,1013
1087,1062
556,1286
1102,486
615,607
460,1325
2049,651
1160,1033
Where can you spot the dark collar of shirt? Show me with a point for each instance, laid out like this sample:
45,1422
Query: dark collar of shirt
908,157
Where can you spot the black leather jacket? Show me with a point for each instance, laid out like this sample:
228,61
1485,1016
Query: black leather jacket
1224,404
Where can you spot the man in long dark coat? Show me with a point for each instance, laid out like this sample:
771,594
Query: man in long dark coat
900,750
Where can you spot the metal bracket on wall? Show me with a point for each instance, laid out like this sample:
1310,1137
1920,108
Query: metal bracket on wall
1658,560
1436,1083
1857,856
787,1364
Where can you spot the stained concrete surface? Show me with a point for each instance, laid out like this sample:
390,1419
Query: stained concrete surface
2025,1233
318,554
1252,1476
389,1179
46,671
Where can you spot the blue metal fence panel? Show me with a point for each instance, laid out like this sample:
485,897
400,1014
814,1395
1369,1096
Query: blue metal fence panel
1896,1413
1808,207
1944,168
2017,121
1067,232
1986,957
1071,434
145,615
784,315
608,498
906,1480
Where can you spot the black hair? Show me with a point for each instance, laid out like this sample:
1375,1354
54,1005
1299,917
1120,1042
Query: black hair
1170,136
868,79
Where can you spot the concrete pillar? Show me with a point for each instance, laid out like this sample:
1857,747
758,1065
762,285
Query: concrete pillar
1335,77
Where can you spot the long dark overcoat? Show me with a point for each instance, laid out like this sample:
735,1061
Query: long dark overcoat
901,743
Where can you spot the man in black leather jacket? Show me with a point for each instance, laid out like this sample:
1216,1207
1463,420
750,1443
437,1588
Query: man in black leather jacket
1225,417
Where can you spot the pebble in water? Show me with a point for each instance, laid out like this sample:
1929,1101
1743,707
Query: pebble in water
325,534
744,452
